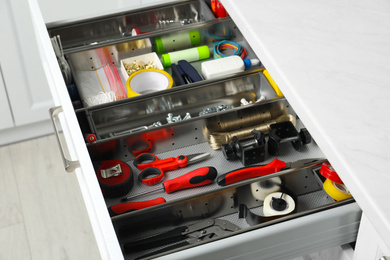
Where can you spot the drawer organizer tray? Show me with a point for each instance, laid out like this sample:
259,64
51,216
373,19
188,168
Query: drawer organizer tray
215,116
106,30
239,205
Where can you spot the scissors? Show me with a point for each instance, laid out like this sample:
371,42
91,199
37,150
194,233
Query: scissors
153,168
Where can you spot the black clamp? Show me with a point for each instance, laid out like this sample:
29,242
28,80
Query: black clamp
284,132
250,151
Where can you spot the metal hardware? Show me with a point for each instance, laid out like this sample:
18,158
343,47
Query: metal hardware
187,116
176,119
169,118
385,258
115,170
215,109
70,165
155,124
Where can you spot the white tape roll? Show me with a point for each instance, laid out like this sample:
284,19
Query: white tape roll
286,202
262,189
147,81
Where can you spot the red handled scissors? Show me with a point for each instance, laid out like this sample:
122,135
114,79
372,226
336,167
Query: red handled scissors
153,168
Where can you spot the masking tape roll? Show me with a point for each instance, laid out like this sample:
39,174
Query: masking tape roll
336,191
268,208
147,81
262,189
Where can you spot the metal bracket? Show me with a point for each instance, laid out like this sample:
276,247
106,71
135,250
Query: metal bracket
115,170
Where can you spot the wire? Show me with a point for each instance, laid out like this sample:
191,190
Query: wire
233,48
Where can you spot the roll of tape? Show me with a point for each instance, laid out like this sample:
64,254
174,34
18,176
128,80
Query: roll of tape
147,81
278,203
260,190
328,172
336,191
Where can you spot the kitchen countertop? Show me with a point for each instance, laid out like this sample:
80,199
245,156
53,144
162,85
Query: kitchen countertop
331,59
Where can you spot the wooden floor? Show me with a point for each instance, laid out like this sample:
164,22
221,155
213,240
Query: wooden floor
41,211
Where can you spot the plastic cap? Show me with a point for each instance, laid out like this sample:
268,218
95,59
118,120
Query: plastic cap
279,204
159,45
249,63
204,52
166,60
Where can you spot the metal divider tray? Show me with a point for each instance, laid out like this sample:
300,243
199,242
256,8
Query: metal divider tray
223,203
118,27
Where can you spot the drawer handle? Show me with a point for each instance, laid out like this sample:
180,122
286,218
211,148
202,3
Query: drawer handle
385,258
70,166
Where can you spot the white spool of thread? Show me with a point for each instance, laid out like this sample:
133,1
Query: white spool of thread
262,189
269,210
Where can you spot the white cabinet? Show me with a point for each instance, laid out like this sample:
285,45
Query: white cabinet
24,79
369,244
6,114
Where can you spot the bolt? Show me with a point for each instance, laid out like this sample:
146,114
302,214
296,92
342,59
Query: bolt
176,118
156,124
169,118
187,116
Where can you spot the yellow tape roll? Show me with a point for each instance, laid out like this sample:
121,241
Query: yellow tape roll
272,83
147,81
336,190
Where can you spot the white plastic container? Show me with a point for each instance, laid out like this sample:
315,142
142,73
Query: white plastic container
145,58
225,66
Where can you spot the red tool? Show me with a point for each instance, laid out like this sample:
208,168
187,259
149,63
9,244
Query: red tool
152,166
198,177
131,206
115,178
328,172
256,171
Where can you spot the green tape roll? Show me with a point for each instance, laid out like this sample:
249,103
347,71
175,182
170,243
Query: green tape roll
190,55
177,41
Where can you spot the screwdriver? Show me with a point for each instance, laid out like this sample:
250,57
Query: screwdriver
131,206
199,177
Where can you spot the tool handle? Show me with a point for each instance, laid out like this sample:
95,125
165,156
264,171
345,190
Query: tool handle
250,172
167,164
198,177
172,236
130,206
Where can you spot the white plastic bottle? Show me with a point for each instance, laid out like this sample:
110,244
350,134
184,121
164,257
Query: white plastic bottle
226,66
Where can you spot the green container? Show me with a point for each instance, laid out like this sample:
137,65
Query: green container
190,55
177,41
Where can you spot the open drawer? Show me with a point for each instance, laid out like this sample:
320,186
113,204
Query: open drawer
212,112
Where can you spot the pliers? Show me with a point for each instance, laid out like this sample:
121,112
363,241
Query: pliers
186,235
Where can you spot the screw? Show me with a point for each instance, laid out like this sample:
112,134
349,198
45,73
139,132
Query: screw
176,118
169,118
187,116
156,124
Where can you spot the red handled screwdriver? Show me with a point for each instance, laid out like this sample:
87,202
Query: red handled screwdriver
256,171
198,177
131,206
